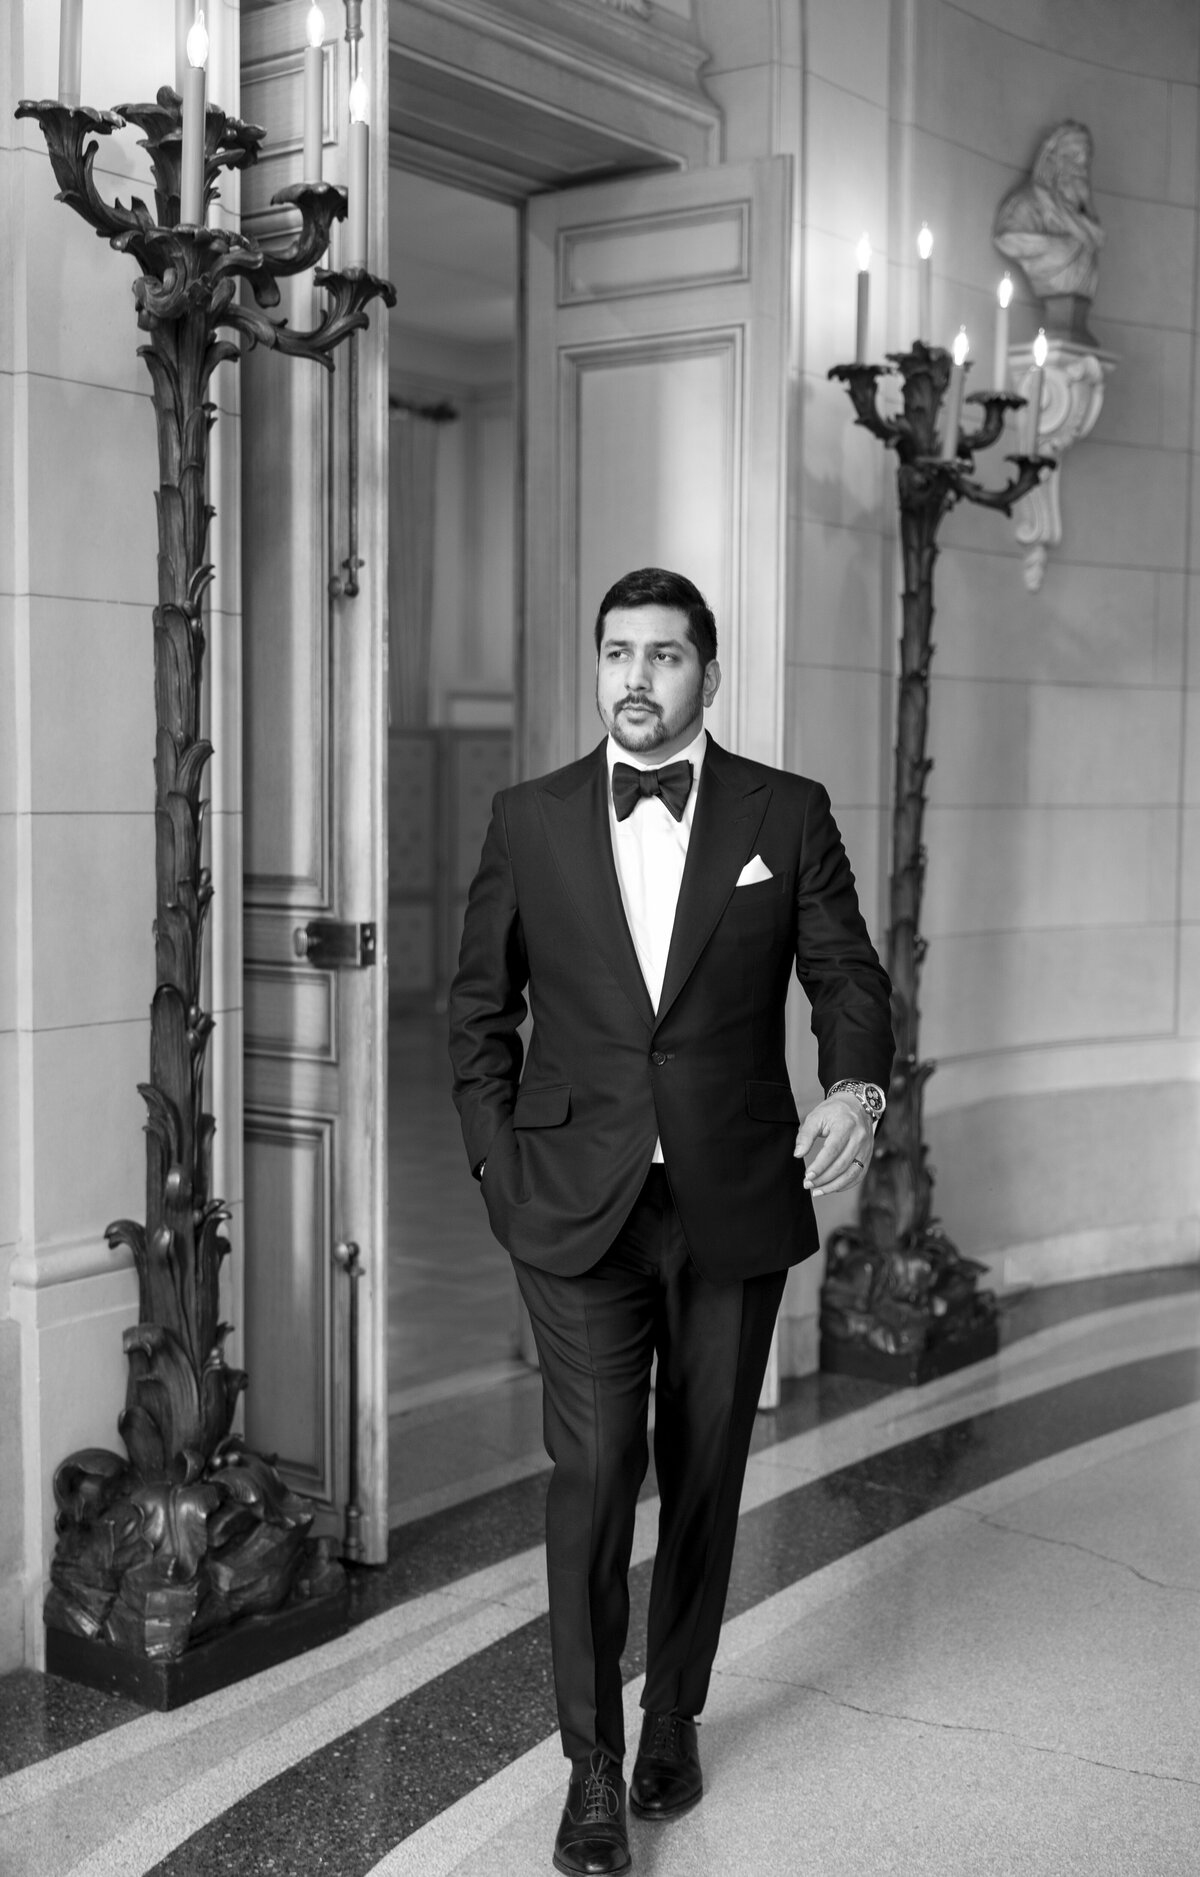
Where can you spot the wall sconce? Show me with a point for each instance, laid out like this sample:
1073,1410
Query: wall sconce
1072,397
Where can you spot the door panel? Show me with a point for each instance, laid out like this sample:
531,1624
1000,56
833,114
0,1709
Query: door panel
286,670
658,346
658,327
674,501
314,701
696,247
288,1222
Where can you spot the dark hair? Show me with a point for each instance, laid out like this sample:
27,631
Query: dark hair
655,586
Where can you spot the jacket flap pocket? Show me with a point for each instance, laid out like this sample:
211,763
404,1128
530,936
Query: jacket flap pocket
772,1101
542,1107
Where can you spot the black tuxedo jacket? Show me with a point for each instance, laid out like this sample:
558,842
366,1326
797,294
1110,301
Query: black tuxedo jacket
567,1145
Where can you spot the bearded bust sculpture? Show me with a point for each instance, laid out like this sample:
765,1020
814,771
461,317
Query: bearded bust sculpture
1047,224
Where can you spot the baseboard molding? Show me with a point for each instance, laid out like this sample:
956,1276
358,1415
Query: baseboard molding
12,1625
799,1345
1097,1252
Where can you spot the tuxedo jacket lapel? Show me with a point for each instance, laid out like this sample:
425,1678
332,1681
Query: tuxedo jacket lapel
574,809
730,804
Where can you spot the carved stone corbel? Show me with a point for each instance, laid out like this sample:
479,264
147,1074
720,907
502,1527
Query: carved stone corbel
1072,397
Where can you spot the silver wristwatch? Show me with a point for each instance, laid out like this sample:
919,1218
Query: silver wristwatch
868,1094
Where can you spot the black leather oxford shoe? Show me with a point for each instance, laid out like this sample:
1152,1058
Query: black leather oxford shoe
592,1840
666,1774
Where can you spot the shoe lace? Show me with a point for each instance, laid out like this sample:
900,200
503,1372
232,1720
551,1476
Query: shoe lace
664,1737
601,1800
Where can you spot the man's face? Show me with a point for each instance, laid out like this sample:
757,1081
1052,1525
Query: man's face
651,688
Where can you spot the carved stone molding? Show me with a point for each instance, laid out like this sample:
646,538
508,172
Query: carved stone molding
513,97
1071,401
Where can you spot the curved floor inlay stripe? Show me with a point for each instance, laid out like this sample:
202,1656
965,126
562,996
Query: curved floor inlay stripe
203,1758
459,1729
534,1782
1050,1335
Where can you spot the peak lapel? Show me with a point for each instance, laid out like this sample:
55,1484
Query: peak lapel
730,805
576,824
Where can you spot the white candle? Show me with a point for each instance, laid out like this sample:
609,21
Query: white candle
1040,351
1004,294
864,294
924,283
357,189
191,182
954,397
314,96
185,17
70,52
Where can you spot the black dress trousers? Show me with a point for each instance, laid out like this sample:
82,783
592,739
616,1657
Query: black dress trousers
596,1336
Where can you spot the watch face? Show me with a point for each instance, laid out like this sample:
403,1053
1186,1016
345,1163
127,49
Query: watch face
873,1101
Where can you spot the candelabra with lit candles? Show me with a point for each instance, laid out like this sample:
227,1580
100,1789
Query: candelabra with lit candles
186,1562
900,1303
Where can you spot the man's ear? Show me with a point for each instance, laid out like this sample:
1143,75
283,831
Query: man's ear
712,680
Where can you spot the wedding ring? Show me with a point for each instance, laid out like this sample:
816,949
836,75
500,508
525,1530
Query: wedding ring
857,1163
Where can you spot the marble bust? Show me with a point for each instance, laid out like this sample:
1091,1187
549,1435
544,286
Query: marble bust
1048,225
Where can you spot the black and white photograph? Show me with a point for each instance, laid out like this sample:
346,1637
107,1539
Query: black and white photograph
599,938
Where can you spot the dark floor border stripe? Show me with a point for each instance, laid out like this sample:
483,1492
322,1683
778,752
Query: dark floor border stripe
41,1715
432,1552
337,1812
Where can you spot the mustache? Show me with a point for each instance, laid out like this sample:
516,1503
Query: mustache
642,703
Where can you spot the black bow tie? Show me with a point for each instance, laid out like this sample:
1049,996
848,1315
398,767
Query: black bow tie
629,785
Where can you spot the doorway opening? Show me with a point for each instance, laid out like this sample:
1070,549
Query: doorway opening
454,1371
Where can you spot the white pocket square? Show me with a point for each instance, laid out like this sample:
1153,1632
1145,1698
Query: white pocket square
754,871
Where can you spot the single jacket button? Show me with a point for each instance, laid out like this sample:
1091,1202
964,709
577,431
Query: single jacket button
657,1057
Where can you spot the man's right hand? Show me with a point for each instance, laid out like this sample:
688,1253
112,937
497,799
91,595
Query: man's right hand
846,1139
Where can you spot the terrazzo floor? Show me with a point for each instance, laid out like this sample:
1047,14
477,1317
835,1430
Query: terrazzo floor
962,1638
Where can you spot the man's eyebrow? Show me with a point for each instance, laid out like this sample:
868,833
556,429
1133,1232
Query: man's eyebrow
652,645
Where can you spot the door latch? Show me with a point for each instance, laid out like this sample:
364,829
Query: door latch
336,944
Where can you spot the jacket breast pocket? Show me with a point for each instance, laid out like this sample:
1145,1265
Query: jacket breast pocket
772,1101
761,906
774,888
542,1107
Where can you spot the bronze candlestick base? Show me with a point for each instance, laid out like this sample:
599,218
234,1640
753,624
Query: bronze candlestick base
191,1532
900,1303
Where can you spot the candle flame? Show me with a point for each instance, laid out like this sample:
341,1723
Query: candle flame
1041,348
197,42
315,27
925,241
358,100
962,346
1004,292
863,251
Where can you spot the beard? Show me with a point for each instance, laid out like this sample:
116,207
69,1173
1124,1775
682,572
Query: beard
641,735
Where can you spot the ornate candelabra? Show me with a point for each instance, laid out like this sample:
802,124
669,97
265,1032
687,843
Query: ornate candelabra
900,1303
190,1533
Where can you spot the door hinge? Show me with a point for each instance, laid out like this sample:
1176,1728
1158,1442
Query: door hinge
336,944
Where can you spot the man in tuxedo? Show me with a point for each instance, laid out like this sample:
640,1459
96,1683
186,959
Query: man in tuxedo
649,1172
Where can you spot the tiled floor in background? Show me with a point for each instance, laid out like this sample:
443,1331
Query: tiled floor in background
962,1640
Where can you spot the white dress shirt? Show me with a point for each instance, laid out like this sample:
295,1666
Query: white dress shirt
649,849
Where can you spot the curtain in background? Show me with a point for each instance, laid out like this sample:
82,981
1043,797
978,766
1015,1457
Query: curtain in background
411,493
